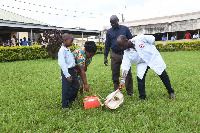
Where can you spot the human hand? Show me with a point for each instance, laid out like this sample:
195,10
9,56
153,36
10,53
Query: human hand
121,86
69,79
106,62
86,88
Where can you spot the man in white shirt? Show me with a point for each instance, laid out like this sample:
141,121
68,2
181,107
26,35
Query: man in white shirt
195,36
142,50
70,84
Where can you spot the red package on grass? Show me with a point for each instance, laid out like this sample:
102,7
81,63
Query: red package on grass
91,102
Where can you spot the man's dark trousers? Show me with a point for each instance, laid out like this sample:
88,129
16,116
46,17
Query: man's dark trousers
141,83
116,61
69,89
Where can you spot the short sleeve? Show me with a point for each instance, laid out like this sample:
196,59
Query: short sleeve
81,59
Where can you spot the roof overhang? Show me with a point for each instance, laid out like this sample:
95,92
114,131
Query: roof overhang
40,28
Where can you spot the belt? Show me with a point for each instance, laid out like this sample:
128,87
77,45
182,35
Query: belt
120,53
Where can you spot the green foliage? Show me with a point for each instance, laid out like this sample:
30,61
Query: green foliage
36,52
179,46
72,48
100,49
54,40
31,91
22,53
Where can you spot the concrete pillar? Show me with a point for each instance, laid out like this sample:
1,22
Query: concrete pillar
82,38
18,36
31,35
99,39
167,36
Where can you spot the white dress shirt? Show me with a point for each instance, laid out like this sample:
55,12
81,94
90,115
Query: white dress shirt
130,55
195,36
65,60
147,55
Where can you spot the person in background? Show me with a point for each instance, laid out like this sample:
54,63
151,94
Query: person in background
117,53
40,40
83,57
35,42
25,42
66,61
13,41
4,43
195,36
187,35
164,38
173,38
142,50
20,42
29,42
8,43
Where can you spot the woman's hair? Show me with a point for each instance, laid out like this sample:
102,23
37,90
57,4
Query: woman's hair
90,47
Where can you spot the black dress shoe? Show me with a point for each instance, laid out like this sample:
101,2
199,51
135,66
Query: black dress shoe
172,96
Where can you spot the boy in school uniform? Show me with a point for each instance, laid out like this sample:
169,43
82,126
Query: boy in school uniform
70,84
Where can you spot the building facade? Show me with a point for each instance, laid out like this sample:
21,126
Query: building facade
168,25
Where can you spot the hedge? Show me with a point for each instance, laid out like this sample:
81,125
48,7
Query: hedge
178,46
22,53
30,52
100,48
37,52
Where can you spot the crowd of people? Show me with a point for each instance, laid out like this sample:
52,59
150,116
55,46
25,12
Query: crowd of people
187,35
14,41
124,49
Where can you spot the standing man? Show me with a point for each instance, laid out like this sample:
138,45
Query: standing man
117,53
142,50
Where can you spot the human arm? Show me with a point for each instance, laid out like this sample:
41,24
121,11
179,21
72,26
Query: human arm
123,78
83,77
150,39
107,49
184,37
128,34
125,66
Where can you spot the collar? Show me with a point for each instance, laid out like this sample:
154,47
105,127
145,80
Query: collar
65,48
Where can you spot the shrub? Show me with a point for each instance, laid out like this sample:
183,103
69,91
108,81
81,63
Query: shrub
178,46
38,52
22,53
100,49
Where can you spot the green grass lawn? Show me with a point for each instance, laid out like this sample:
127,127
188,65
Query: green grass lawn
30,99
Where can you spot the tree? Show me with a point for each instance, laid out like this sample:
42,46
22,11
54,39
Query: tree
54,40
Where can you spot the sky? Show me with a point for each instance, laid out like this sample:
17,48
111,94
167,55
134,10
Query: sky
95,14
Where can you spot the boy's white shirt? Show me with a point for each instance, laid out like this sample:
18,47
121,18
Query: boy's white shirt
65,60
146,55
